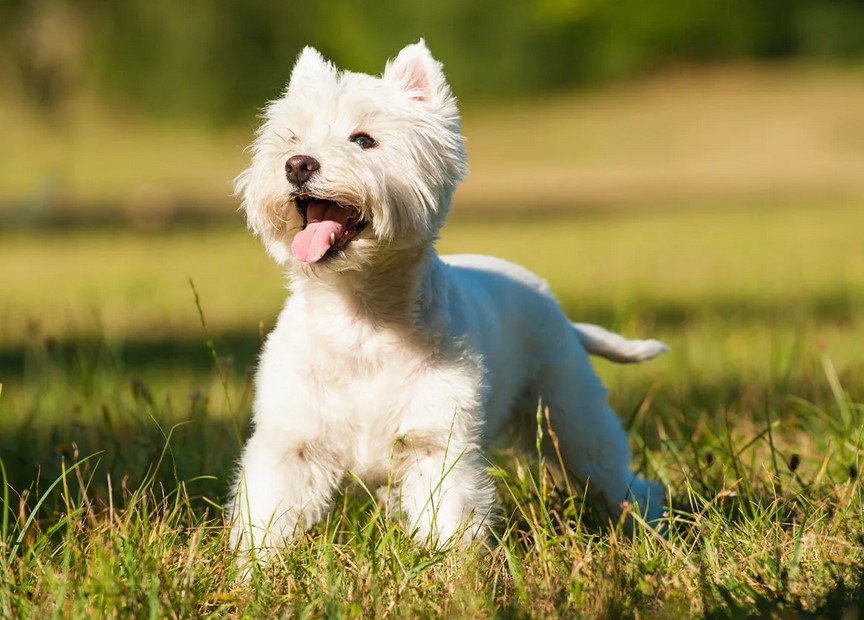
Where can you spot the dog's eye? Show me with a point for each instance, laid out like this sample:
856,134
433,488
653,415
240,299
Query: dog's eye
363,140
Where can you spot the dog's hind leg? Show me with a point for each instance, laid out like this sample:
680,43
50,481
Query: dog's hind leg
590,437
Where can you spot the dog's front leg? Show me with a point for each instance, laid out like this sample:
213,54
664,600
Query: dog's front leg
444,491
283,486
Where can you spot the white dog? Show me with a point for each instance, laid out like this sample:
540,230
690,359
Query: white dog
388,362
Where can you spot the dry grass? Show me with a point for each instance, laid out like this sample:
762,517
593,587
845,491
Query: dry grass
692,135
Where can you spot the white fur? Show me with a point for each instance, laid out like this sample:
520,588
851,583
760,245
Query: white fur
388,362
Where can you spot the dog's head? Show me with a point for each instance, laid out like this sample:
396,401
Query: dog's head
347,165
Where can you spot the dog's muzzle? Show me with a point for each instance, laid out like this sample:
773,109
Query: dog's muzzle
328,227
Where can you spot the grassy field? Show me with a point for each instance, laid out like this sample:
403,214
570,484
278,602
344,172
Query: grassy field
674,138
118,432
720,211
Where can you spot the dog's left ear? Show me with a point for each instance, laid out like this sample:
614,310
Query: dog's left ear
417,72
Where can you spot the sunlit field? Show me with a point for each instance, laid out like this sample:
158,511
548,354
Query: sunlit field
740,262
679,139
751,420
126,357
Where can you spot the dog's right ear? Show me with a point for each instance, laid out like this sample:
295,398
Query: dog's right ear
311,67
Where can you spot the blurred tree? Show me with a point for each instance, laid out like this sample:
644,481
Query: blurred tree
216,61
47,52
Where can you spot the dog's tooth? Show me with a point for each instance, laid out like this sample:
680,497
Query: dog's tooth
332,238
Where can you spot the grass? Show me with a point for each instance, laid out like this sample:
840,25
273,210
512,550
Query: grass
121,418
136,528
760,258
118,432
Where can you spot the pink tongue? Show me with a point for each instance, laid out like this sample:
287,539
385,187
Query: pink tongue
324,219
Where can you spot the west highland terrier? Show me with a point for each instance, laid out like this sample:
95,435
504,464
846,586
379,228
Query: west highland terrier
390,363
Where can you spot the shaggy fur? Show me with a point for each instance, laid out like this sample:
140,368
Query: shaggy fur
388,362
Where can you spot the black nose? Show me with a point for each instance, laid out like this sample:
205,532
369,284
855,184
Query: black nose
299,168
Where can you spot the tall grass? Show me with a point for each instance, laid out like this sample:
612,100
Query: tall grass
113,488
745,538
117,441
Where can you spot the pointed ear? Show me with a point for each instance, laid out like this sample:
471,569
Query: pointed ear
310,67
417,72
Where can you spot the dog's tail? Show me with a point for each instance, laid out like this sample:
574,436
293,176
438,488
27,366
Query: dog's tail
617,348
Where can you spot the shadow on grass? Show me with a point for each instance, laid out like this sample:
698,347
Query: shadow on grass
832,307
136,442
186,353
63,399
155,412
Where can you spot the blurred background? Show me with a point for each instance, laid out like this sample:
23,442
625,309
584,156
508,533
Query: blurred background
699,168
697,176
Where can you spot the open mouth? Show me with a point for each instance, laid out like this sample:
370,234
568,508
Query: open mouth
328,227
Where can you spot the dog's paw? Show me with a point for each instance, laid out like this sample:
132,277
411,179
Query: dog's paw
650,502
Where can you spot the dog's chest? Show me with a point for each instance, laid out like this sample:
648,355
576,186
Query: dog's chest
365,394
354,373
358,387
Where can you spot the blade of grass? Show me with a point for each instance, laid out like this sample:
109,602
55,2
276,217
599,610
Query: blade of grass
42,499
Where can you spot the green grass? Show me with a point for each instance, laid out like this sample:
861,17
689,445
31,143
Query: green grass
760,258
117,433
676,137
136,529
